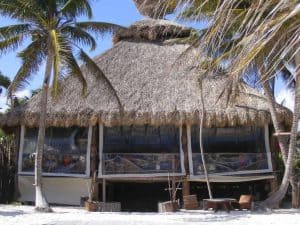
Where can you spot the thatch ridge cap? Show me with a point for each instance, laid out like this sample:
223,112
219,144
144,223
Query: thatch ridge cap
152,30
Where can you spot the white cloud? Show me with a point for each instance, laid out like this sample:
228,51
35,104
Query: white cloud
19,94
286,97
22,94
3,105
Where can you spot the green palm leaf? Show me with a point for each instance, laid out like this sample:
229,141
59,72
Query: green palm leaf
74,8
32,58
4,81
14,30
79,36
99,27
11,44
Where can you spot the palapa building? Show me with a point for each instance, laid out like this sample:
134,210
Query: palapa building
136,151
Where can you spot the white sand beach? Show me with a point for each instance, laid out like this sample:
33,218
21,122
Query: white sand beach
25,215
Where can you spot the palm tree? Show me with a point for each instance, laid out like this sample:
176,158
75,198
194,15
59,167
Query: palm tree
4,82
243,33
56,37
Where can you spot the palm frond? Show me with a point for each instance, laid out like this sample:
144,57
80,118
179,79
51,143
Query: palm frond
74,8
79,36
11,44
99,28
32,58
4,81
95,70
20,10
14,30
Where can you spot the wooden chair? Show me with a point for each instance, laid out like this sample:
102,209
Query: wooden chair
245,202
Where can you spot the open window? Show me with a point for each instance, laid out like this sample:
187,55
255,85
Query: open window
231,150
66,151
142,149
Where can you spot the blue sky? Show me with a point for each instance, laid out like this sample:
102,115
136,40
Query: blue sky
122,12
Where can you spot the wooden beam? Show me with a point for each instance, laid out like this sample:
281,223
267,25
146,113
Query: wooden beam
103,190
285,134
17,137
94,168
184,143
141,179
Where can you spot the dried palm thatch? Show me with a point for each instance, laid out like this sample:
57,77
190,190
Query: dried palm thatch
152,30
156,84
155,8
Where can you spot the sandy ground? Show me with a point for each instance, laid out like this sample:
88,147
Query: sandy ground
25,215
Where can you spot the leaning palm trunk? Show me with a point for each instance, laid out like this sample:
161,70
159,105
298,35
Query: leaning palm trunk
201,144
282,141
41,203
277,196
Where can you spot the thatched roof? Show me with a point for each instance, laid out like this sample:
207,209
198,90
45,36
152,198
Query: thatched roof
156,85
152,30
155,8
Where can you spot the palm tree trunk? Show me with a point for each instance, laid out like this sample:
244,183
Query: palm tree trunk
282,141
201,144
41,203
277,196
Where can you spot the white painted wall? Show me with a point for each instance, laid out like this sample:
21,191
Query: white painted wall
58,190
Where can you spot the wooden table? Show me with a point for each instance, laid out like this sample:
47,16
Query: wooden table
218,203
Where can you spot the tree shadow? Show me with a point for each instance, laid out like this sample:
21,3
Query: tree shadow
12,213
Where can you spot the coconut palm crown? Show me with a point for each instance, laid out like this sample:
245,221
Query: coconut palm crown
56,38
246,33
52,29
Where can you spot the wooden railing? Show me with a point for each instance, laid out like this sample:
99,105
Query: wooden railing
230,162
141,163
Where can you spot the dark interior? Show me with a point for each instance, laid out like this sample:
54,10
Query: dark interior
138,197
144,197
259,189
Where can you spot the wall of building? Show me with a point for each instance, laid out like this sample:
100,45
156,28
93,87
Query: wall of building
58,190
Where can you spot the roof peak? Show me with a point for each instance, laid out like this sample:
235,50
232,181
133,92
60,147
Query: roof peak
152,30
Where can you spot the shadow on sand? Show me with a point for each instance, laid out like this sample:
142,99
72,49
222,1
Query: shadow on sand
12,214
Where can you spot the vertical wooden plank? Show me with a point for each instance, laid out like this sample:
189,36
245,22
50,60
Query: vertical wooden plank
94,151
267,146
190,152
183,171
21,148
184,144
273,185
100,170
103,190
88,154
17,156
185,188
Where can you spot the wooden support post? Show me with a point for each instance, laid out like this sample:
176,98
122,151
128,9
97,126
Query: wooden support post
103,190
17,137
94,152
184,143
297,205
273,185
185,188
